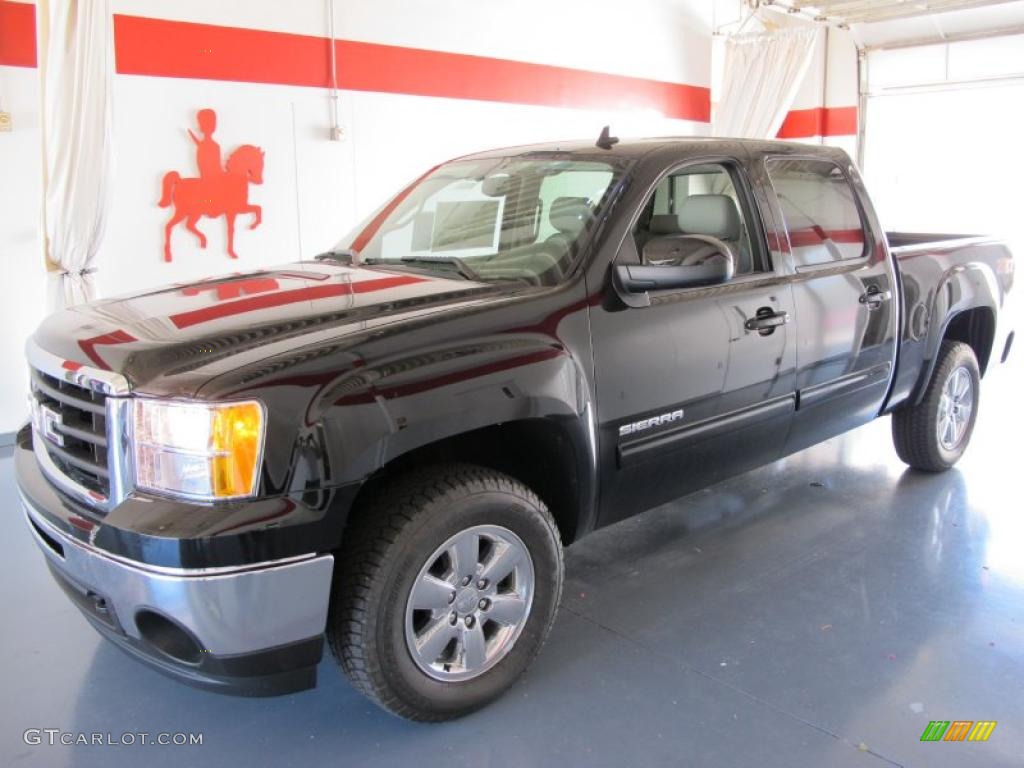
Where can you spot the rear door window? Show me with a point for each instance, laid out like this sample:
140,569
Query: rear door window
820,208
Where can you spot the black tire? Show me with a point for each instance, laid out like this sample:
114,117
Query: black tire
915,427
390,539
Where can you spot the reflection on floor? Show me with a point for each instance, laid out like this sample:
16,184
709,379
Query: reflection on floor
820,612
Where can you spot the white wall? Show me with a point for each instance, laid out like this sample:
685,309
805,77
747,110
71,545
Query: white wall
315,189
657,39
21,260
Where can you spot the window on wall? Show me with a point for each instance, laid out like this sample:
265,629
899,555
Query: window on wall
820,210
702,200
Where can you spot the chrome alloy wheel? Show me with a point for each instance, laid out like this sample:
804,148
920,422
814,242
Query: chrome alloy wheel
469,603
955,406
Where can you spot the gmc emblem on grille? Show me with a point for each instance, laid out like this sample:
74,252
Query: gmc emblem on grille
48,421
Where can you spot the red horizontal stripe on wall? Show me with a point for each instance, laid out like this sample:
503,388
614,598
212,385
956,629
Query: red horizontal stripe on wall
181,49
163,48
17,34
819,121
389,69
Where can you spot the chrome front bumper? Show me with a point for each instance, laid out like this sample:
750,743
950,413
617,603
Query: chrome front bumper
256,629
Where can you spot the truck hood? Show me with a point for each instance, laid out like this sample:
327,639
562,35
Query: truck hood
172,340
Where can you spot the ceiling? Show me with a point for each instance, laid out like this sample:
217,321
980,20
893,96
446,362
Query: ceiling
880,23
872,11
964,24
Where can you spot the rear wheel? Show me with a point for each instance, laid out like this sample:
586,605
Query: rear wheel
445,591
934,434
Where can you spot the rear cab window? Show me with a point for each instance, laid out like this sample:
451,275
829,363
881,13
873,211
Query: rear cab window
819,205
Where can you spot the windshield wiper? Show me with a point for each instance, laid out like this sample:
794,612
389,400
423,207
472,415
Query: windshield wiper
461,267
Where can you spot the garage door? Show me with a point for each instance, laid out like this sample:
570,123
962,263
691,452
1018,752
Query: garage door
944,138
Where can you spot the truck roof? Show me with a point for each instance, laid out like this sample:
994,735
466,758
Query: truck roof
638,147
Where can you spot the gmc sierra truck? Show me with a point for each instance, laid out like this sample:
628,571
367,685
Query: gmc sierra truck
388,447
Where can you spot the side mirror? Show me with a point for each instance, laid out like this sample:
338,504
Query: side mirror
672,262
633,281
637,278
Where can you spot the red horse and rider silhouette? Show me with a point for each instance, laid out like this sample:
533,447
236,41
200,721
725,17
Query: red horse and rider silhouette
219,191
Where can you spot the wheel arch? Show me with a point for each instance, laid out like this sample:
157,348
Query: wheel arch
966,301
554,457
977,329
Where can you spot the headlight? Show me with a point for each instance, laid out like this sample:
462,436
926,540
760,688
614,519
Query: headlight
204,451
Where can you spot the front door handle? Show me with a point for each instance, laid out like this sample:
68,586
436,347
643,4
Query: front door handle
766,321
874,298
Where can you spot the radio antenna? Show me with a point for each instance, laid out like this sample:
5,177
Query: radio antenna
606,140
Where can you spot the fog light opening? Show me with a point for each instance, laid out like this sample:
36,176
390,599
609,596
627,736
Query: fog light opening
167,637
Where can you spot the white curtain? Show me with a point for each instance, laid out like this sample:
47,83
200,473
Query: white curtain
761,76
76,70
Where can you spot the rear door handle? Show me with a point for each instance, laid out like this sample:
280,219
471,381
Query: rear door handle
874,298
766,321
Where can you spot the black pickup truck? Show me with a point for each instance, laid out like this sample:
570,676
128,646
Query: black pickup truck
389,446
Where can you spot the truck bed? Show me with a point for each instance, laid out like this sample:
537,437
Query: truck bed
913,240
942,275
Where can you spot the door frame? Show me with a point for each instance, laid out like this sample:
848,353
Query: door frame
625,455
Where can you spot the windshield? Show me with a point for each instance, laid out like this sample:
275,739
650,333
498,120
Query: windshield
510,218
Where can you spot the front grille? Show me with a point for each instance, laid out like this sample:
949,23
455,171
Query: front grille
83,426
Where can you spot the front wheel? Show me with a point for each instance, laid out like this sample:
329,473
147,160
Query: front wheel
446,589
934,434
